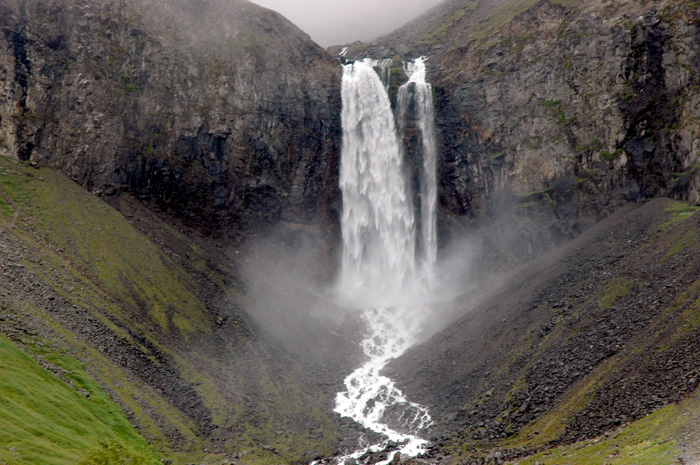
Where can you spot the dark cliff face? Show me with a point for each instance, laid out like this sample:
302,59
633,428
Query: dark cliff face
564,109
221,112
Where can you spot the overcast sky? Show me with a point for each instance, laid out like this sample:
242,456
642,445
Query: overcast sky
335,22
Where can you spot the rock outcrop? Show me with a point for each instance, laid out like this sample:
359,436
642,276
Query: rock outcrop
221,112
558,113
567,109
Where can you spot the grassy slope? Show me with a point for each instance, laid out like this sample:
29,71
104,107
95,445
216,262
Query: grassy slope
90,257
53,419
49,215
114,255
459,22
456,23
649,441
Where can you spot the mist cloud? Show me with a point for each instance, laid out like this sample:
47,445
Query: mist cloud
336,22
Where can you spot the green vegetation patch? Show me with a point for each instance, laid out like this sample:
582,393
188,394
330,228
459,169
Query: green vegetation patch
441,31
60,419
135,269
116,257
14,184
690,238
549,103
611,156
534,197
594,146
678,211
649,441
617,289
691,315
5,209
502,16
558,112
553,425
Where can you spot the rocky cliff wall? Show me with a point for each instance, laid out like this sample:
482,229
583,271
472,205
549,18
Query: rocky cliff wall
222,112
565,109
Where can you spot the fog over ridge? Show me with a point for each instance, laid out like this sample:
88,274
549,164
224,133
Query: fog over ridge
335,22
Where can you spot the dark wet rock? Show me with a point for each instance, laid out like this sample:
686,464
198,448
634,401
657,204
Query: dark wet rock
562,112
227,118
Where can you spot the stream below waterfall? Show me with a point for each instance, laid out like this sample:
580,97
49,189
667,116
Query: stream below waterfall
389,243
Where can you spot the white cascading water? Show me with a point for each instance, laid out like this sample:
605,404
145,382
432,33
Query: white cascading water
379,272
377,223
417,94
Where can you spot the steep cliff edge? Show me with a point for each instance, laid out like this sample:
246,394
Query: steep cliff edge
223,113
565,109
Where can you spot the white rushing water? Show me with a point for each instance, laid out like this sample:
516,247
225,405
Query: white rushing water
417,95
380,273
377,222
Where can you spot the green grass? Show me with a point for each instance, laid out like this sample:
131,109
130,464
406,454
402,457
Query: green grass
502,16
13,184
90,255
690,238
649,441
549,103
441,32
54,221
689,304
49,420
5,209
678,211
553,424
611,156
113,254
137,270
617,289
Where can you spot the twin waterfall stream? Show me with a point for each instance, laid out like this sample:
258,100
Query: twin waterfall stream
389,242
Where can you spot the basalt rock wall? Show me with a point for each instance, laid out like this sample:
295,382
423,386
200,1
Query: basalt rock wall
222,113
561,111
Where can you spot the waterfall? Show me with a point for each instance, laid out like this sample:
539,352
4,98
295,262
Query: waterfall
415,101
377,222
381,273
385,71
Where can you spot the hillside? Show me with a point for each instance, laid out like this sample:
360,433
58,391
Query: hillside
554,115
151,320
584,342
588,339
